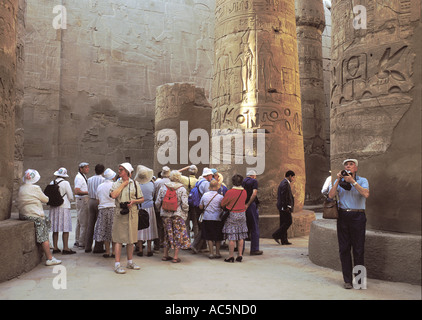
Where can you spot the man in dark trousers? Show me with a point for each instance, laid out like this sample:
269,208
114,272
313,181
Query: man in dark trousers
285,206
352,191
250,184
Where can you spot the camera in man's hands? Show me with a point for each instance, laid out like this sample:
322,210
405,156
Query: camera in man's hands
124,208
345,173
344,184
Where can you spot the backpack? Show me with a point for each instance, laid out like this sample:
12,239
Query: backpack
195,195
52,191
170,200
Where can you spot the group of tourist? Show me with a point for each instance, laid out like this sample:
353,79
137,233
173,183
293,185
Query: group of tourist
107,211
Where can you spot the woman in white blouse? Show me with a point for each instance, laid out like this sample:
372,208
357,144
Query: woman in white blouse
61,219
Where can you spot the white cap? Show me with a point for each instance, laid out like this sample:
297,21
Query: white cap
251,173
353,160
31,176
83,164
62,172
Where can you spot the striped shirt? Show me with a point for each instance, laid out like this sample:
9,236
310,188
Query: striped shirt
93,184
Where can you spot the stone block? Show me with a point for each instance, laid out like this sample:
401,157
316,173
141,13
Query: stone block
19,252
388,256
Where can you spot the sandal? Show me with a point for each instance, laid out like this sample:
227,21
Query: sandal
176,260
56,251
167,258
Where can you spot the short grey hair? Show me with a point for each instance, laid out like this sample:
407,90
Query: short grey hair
175,176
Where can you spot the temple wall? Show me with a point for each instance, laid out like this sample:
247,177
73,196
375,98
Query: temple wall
90,88
8,66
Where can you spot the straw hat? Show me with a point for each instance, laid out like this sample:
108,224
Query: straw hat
143,174
165,172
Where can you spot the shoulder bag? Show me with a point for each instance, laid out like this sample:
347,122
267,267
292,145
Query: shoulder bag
143,215
330,209
225,214
202,213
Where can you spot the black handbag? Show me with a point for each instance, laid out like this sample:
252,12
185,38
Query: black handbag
143,219
225,214
143,215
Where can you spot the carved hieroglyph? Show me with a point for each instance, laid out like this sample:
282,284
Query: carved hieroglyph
375,105
256,86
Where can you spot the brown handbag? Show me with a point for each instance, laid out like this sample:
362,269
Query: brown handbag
330,210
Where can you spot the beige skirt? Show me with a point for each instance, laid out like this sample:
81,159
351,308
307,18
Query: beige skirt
125,227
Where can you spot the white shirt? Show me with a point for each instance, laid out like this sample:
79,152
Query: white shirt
81,183
327,186
213,210
103,195
65,191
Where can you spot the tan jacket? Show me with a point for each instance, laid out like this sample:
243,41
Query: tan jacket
30,200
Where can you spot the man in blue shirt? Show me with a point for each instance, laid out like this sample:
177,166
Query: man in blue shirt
352,191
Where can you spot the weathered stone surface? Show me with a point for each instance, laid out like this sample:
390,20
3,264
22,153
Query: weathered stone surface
310,23
181,109
90,88
19,252
375,107
8,27
256,86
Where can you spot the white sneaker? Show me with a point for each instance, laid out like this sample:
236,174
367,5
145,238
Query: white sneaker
133,266
52,262
119,270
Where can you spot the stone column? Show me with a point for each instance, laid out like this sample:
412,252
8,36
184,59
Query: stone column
310,23
182,126
8,27
256,87
376,105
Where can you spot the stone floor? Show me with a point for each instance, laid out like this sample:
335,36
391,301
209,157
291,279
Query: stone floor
282,272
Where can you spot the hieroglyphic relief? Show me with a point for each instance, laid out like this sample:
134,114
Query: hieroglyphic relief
270,118
390,73
372,79
256,85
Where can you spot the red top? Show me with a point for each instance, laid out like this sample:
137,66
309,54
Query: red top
231,197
